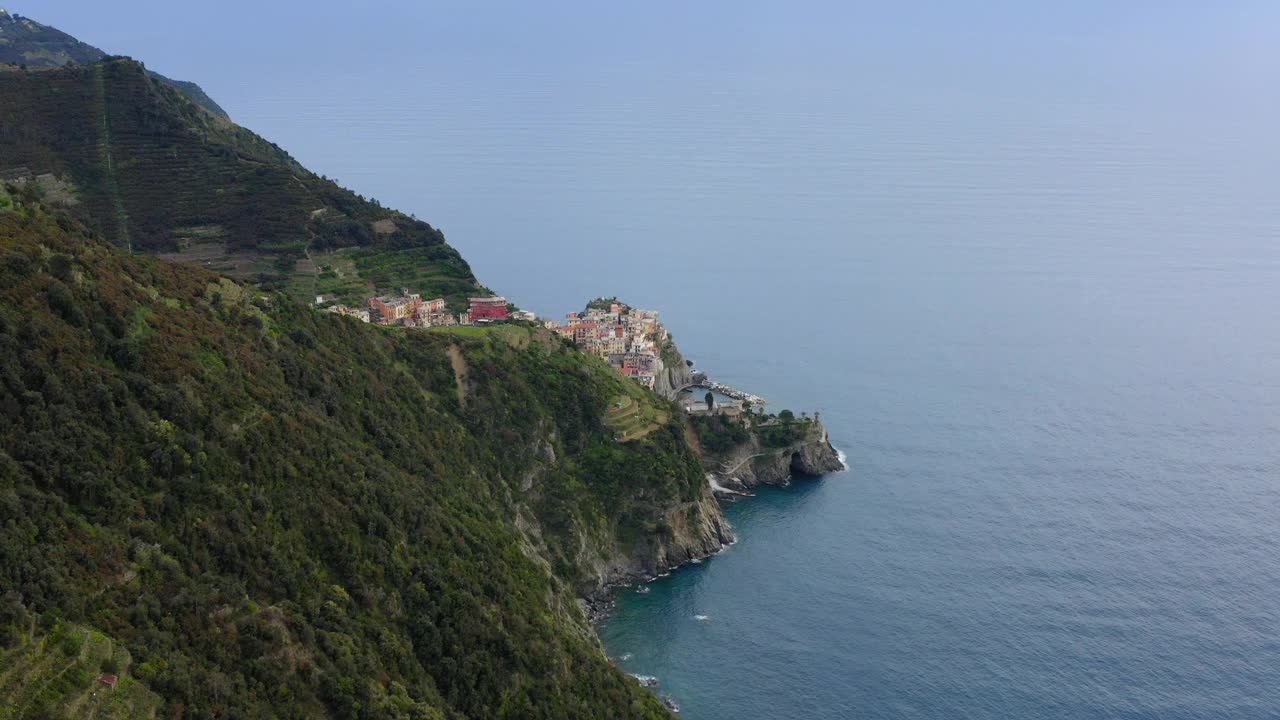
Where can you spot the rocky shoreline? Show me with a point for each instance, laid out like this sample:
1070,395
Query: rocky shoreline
687,546
599,605
751,466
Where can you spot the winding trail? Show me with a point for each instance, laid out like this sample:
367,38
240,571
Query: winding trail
744,460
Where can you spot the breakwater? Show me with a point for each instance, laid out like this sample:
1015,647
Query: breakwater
730,391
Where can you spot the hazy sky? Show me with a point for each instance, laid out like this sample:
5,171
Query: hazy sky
237,49
528,131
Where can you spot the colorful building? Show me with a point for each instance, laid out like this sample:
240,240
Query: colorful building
488,308
395,309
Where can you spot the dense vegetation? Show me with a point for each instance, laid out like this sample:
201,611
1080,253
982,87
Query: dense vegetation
281,512
151,171
781,434
719,433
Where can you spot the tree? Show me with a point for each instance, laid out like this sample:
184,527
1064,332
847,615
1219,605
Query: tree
711,401
787,416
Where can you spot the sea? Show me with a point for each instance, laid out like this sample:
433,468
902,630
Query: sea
1024,259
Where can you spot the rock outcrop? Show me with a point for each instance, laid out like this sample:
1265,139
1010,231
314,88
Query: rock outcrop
656,534
673,373
694,530
752,464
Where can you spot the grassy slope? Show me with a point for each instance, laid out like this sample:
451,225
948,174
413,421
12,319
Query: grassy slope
156,173
285,512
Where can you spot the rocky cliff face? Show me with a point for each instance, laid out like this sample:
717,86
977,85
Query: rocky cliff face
752,464
675,532
673,375
693,530
687,532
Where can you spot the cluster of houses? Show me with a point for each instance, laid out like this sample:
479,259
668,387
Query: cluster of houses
410,310
629,338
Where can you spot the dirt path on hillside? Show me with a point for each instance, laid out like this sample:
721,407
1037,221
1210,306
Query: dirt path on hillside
460,371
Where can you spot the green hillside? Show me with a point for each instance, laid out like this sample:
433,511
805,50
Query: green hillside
27,43
282,512
154,173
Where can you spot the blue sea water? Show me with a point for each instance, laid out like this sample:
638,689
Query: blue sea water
1025,260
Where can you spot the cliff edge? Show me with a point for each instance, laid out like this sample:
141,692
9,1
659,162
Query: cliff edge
742,453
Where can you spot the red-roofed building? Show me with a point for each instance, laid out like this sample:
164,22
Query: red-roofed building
488,308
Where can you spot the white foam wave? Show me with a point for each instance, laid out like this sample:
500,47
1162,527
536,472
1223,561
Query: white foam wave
648,681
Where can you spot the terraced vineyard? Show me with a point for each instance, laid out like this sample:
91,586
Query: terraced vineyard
353,275
632,417
56,675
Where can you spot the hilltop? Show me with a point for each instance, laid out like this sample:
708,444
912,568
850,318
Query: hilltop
27,43
153,172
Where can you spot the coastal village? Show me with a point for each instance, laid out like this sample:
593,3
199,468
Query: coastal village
630,339
410,310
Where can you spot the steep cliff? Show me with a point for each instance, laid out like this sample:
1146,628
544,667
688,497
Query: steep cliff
674,374
599,511
683,533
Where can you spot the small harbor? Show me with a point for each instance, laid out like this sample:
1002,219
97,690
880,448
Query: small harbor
700,380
